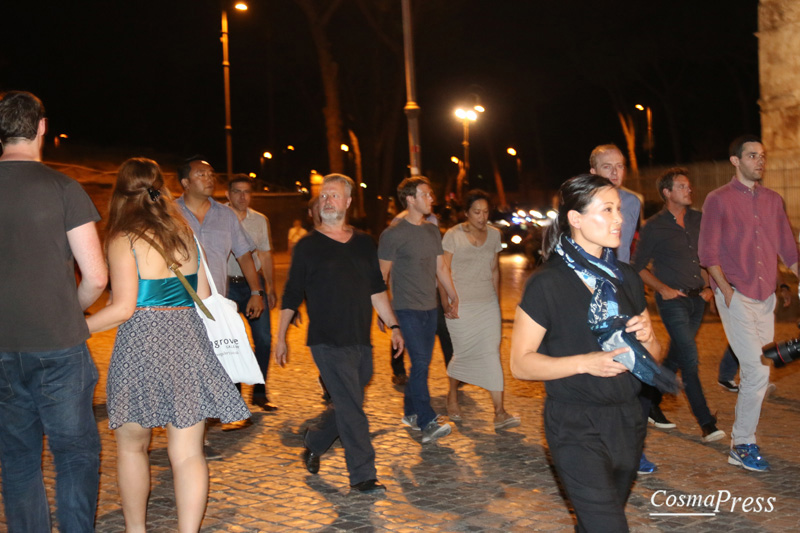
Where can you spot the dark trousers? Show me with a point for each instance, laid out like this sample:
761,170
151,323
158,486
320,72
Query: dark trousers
596,451
398,366
728,365
419,330
682,318
49,393
259,327
346,371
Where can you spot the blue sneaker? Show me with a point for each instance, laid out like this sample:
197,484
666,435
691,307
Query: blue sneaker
748,456
645,466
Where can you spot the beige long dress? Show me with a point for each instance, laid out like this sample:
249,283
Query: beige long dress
476,333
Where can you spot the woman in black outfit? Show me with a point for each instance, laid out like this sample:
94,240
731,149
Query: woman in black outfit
593,419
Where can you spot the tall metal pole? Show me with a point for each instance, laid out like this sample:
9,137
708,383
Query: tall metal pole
411,108
226,66
650,144
463,175
466,149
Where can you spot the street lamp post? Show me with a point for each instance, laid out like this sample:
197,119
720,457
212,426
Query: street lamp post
649,143
263,160
466,116
513,153
226,67
411,109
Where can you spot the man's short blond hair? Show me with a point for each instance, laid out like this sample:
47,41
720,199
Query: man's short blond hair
349,184
600,150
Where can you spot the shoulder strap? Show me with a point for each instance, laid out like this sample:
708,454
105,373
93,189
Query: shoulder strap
174,267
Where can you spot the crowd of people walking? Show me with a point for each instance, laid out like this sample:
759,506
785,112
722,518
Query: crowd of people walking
582,325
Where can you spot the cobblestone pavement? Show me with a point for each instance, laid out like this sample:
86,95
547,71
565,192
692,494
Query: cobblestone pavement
474,479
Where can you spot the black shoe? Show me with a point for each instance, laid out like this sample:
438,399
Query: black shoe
367,487
211,453
658,419
729,386
711,433
311,460
399,379
263,402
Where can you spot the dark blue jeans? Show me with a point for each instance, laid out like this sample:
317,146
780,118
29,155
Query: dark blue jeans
49,393
259,327
419,333
398,367
728,365
682,318
346,370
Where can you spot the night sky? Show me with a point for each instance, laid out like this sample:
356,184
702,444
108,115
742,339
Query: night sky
146,76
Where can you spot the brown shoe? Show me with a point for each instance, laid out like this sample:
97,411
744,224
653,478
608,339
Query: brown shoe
240,424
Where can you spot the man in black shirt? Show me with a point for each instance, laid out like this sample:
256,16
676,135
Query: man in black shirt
336,269
669,239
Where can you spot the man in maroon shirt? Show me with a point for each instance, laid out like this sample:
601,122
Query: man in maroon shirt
743,231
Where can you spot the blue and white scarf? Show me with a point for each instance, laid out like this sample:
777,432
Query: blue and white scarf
603,276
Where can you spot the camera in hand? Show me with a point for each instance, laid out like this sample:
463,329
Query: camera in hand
782,353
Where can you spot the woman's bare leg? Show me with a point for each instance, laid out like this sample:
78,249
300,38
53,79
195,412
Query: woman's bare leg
190,474
497,400
133,474
453,410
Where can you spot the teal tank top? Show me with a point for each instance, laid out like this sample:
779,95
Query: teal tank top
164,292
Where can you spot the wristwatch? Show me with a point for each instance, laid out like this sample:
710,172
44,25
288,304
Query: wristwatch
258,293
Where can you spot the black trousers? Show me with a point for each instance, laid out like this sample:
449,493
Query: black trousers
596,451
345,371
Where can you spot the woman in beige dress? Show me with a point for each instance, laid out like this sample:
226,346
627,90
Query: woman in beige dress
470,251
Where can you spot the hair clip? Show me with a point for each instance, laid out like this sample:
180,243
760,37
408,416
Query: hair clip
155,194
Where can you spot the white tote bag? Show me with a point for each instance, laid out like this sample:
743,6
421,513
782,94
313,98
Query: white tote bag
228,336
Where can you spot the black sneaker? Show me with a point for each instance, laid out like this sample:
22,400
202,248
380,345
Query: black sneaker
729,386
711,433
658,419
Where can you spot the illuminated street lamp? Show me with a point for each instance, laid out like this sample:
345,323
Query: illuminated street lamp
649,144
226,67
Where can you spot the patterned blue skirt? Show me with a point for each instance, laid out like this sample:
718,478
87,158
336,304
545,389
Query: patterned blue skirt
163,371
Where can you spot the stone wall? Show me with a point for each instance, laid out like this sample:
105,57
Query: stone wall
779,77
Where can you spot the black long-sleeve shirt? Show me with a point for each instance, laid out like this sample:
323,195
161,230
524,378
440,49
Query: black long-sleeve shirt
338,281
672,248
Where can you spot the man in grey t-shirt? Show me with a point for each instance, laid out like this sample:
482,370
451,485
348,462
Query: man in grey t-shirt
48,376
411,250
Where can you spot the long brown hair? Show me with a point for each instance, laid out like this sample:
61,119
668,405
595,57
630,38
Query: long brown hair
142,205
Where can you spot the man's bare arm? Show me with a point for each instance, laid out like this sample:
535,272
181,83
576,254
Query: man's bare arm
88,253
725,287
255,306
268,272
